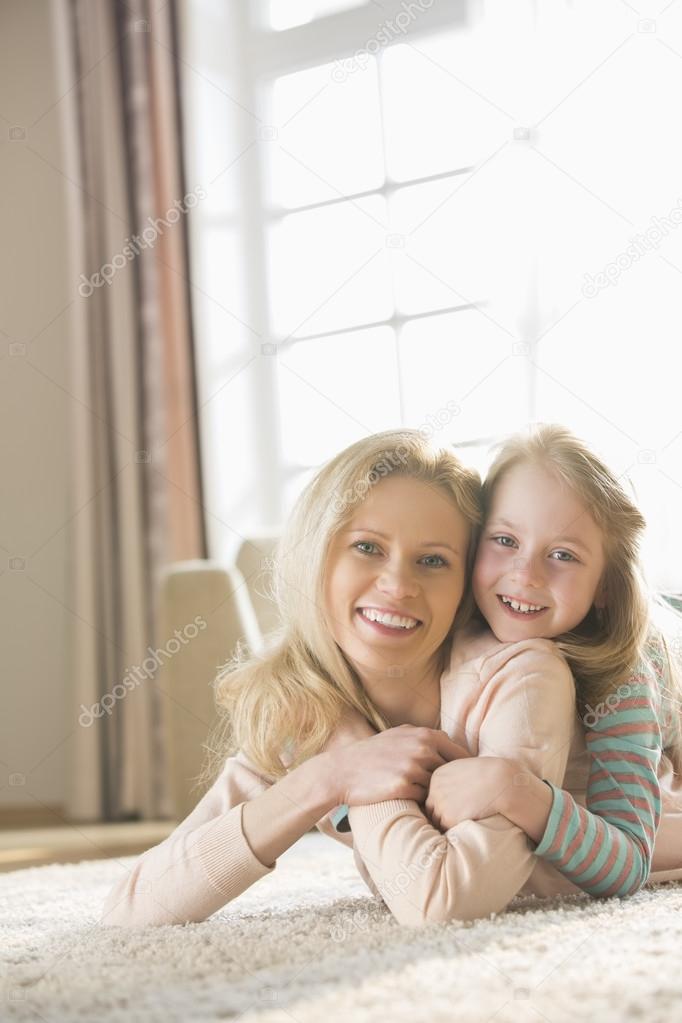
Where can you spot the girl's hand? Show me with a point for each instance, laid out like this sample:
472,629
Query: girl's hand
468,790
393,764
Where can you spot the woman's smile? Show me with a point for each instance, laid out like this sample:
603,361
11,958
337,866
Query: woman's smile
395,576
388,623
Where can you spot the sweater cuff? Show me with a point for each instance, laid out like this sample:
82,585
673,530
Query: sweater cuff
553,821
227,858
339,819
375,813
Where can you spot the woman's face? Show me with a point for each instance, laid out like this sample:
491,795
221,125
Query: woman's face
395,575
540,557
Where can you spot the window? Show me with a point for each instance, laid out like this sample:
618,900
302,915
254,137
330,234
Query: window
406,204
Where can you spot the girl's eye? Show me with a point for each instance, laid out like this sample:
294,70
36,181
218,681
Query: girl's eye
503,541
567,556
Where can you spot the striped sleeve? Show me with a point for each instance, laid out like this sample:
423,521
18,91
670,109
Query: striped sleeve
606,848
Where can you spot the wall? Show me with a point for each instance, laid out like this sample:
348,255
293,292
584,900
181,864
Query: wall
36,300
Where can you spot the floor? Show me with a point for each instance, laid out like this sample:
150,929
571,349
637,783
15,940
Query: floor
308,942
34,847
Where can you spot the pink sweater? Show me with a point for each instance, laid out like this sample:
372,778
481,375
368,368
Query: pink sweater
506,700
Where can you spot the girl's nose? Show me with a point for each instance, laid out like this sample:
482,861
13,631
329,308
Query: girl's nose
528,571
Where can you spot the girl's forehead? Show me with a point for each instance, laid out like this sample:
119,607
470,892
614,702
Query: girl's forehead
532,479
530,495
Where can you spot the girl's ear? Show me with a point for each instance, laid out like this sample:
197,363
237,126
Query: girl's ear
600,597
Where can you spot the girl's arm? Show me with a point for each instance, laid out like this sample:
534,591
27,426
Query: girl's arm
606,848
476,868
230,840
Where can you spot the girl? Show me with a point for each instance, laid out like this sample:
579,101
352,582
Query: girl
371,581
557,558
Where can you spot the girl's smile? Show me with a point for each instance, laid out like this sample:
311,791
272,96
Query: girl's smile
517,607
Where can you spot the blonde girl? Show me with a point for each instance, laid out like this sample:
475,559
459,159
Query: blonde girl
558,559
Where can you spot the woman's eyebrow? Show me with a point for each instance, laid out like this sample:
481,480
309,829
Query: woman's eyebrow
426,543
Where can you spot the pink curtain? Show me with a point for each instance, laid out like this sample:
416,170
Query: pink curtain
137,467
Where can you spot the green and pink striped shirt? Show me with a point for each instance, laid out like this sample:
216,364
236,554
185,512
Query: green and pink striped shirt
606,847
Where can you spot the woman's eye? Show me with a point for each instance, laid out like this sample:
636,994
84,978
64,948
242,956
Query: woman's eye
439,561
565,556
433,560
503,541
364,543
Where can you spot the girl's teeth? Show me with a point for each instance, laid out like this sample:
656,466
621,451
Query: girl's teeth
394,621
525,608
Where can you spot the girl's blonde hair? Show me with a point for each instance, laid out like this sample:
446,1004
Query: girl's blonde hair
290,699
615,641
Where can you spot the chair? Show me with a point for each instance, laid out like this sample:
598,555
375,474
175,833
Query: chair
214,600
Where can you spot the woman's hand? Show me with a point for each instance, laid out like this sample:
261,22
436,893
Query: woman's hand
394,764
352,727
468,790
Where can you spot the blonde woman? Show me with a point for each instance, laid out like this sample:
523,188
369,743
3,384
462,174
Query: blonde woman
357,702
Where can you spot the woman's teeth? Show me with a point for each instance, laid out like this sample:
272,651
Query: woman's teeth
517,606
393,621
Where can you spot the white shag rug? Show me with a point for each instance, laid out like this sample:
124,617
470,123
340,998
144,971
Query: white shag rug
309,943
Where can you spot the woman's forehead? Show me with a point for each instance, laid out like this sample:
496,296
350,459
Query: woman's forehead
407,505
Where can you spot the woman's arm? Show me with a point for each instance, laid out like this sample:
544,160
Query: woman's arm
478,866
280,816
230,840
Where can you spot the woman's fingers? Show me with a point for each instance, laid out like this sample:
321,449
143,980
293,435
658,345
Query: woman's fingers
450,750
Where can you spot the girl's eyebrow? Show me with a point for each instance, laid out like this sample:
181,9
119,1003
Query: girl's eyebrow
500,522
560,539
575,541
429,543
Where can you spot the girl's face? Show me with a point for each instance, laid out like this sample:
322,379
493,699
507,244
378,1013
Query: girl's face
540,557
402,555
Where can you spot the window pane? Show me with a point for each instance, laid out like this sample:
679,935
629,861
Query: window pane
233,497
334,391
610,371
433,121
328,141
220,297
461,378
288,13
213,156
328,268
459,243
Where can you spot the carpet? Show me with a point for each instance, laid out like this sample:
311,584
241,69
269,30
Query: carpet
309,943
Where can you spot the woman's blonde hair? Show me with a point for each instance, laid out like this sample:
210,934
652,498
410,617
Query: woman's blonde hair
617,640
289,699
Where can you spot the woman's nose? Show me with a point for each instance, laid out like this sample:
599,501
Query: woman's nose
398,580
